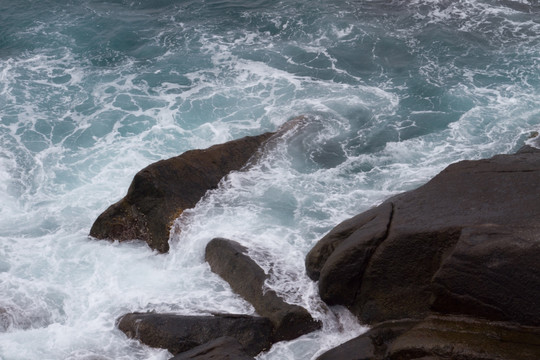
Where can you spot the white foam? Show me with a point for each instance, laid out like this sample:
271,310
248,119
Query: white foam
62,291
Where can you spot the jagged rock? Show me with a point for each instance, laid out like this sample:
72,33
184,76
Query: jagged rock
392,253
224,348
228,259
461,338
371,345
160,192
180,333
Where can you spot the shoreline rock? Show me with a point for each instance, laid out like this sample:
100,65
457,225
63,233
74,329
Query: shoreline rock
459,256
383,277
228,259
160,192
181,333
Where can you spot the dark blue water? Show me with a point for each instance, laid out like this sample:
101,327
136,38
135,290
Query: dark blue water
92,91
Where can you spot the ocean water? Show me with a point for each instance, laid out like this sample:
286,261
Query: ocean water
91,91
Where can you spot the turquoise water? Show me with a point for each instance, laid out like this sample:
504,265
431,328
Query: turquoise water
92,91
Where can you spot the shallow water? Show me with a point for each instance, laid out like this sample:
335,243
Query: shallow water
93,91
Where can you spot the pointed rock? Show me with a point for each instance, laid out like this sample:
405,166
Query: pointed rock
160,192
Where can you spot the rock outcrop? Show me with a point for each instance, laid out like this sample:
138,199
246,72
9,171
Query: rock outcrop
198,337
180,333
160,192
381,264
228,259
460,256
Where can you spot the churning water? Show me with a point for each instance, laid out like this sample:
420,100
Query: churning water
91,91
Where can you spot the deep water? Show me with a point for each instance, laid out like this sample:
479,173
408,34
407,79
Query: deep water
92,91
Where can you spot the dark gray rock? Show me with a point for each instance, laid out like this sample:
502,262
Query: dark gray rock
462,338
180,333
371,345
228,259
343,254
160,192
491,273
391,253
224,348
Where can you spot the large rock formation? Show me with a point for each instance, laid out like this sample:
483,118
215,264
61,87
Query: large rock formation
180,333
460,256
381,264
228,259
160,192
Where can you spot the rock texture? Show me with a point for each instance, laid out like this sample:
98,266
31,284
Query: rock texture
228,259
180,333
372,345
492,273
391,253
224,348
458,257
440,337
160,192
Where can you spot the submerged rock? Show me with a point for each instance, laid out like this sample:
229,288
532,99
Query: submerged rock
180,333
224,348
228,259
382,264
160,192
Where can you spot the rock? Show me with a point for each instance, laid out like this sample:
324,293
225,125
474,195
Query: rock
491,273
446,337
160,192
381,264
371,345
180,333
346,250
224,348
228,259
441,337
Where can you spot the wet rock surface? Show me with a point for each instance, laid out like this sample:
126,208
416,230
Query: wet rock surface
180,333
450,337
460,255
228,259
224,348
391,253
372,345
160,192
